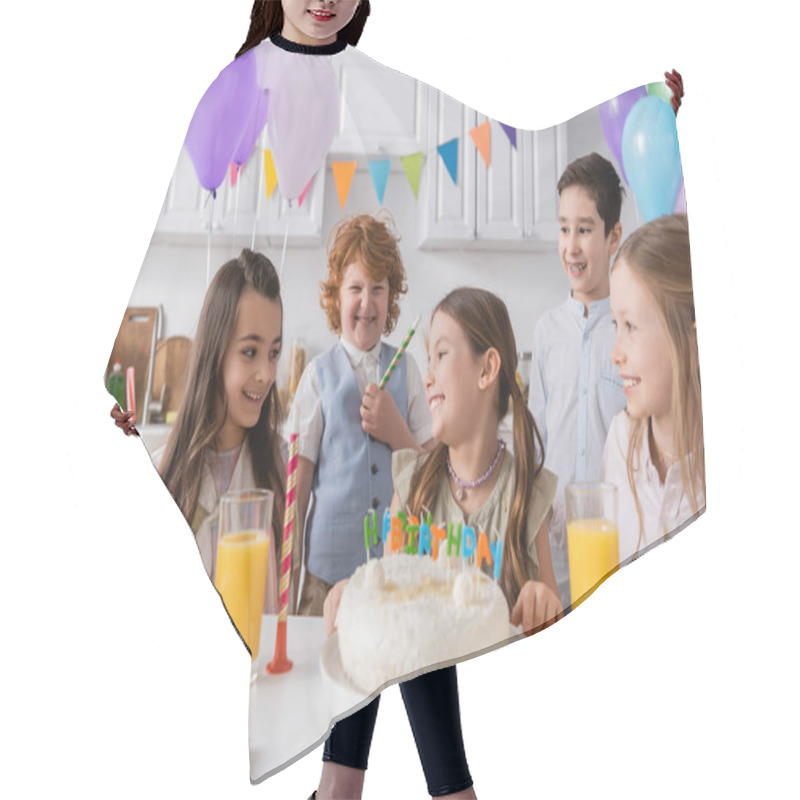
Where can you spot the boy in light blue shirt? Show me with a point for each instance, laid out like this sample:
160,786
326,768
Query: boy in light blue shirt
575,388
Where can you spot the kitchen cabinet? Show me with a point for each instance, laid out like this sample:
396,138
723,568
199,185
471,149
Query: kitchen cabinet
512,204
237,212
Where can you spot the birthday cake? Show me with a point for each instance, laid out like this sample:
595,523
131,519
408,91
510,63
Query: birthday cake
404,613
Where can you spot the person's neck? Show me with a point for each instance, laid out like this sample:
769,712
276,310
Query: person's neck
663,450
292,34
472,457
587,301
229,438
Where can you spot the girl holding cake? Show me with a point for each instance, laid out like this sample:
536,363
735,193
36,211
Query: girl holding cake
654,451
348,429
470,475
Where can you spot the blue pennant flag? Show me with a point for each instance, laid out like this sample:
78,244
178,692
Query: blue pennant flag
449,153
380,174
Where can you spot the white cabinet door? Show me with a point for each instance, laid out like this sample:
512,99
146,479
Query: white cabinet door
499,197
238,213
380,111
446,209
544,160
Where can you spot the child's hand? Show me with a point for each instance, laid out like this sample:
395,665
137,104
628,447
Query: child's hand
381,419
124,420
331,606
675,84
537,607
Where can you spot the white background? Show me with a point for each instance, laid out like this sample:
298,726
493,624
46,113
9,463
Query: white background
120,675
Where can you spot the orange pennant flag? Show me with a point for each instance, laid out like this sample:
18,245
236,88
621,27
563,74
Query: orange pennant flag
270,173
343,172
482,136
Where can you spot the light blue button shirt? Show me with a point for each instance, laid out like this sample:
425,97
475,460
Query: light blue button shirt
575,392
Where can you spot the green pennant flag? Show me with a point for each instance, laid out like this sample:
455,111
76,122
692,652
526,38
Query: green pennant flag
413,167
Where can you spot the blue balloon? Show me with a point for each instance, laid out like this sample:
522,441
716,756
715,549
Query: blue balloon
651,158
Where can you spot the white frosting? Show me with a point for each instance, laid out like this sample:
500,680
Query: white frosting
405,613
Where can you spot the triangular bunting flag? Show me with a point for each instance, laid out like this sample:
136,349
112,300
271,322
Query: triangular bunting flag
380,175
482,136
305,191
449,153
270,173
413,166
234,173
343,172
511,132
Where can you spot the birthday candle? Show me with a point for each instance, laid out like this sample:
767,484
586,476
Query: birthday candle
399,354
288,526
130,391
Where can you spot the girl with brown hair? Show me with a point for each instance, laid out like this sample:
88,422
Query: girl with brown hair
225,436
470,475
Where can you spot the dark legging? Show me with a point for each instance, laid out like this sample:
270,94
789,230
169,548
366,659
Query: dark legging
431,702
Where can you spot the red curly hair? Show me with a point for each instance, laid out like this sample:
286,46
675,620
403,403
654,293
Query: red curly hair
373,243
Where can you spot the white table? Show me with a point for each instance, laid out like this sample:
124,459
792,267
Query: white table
292,713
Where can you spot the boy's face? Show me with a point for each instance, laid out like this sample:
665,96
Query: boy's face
584,248
364,307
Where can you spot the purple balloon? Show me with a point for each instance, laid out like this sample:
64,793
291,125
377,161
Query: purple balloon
221,119
680,200
253,129
613,114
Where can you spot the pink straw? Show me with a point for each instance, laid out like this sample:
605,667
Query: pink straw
280,662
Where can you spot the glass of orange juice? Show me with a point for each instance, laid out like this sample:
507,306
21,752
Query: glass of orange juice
592,536
243,559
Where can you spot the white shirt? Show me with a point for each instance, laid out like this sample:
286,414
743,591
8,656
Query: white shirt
666,507
575,392
305,417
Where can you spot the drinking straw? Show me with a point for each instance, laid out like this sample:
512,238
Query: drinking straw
280,662
130,393
399,354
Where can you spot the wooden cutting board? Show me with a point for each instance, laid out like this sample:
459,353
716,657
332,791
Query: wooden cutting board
135,347
169,371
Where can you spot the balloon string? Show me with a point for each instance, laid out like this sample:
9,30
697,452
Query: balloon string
208,239
236,210
285,240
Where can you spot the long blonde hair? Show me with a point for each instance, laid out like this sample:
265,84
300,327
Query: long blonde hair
204,408
658,255
484,319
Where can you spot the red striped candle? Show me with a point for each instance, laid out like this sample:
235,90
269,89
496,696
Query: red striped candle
130,391
280,662
288,528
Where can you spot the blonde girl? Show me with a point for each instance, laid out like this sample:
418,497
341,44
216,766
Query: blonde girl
654,451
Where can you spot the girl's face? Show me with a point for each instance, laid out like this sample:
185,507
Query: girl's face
249,364
363,306
641,351
453,382
316,22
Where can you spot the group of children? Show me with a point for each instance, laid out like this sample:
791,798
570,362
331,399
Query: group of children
615,396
